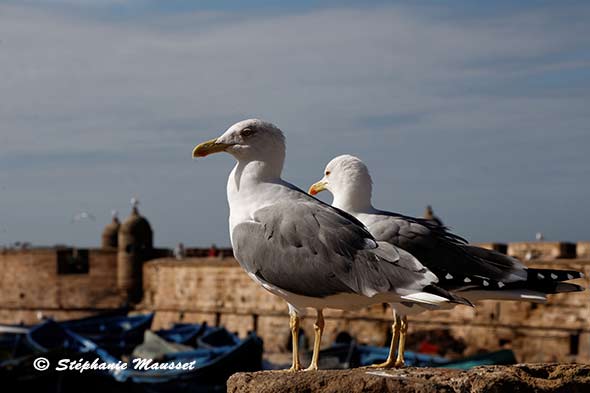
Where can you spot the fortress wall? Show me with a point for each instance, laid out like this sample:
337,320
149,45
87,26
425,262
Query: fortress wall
30,283
218,291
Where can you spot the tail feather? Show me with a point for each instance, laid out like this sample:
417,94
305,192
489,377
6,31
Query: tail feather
533,291
549,281
436,296
516,279
515,294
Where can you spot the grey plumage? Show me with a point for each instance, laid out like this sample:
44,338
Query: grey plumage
462,266
311,249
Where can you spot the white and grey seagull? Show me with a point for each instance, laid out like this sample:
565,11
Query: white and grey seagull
307,252
468,271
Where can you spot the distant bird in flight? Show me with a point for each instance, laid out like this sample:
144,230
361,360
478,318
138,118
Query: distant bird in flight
468,271
82,216
310,254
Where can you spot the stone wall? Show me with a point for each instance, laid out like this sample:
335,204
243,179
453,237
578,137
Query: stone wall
583,250
219,292
542,250
30,284
216,290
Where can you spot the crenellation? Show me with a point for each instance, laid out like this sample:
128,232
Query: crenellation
500,247
542,250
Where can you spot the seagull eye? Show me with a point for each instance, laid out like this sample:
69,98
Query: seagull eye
246,132
328,173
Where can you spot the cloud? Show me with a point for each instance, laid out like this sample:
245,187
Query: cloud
97,108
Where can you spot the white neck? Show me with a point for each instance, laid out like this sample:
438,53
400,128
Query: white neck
245,185
249,172
354,199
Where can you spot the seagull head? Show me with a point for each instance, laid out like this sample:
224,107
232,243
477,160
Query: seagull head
247,140
349,181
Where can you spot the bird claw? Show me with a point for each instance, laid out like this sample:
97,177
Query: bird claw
386,364
312,367
389,364
295,368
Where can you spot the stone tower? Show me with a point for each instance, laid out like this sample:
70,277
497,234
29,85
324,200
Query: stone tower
110,235
135,247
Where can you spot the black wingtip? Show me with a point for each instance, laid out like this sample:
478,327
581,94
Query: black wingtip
461,300
566,287
552,275
453,298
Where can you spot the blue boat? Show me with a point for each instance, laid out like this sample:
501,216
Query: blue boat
503,356
118,334
342,355
369,354
12,341
219,354
183,333
214,352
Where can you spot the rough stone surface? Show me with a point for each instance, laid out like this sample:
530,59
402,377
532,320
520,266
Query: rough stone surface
30,281
542,250
583,250
571,378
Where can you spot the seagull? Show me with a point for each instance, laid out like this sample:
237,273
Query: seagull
471,272
303,250
82,216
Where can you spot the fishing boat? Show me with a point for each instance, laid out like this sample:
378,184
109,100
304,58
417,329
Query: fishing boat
214,353
343,355
218,355
118,334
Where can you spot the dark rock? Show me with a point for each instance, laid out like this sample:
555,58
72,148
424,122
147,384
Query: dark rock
521,378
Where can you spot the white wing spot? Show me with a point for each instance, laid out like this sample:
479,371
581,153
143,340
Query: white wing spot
485,283
467,279
500,284
540,276
554,276
570,277
448,276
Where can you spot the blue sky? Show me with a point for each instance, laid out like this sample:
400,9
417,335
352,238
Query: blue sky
478,108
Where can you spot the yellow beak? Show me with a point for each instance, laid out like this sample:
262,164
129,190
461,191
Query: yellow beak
209,147
317,187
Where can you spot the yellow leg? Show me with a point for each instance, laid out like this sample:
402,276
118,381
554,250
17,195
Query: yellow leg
294,325
318,328
395,333
399,362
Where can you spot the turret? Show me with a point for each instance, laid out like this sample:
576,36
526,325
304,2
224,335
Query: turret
110,234
135,246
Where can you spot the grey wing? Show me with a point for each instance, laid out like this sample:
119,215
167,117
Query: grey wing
444,253
461,266
310,249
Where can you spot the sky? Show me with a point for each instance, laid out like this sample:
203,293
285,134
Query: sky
481,109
